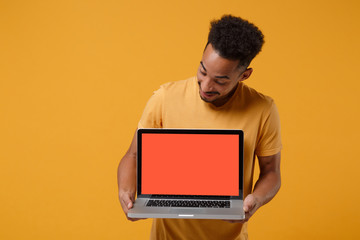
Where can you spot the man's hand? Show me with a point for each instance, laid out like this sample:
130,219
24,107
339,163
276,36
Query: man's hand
250,206
266,186
127,179
127,202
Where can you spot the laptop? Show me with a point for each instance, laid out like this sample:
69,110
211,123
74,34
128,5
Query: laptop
189,173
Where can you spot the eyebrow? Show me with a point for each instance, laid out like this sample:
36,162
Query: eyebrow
226,77
203,65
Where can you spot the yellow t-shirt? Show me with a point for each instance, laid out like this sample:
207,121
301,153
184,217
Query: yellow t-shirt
178,105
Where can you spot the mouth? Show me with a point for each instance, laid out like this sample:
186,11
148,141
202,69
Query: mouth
208,94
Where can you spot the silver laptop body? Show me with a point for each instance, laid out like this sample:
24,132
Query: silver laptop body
181,174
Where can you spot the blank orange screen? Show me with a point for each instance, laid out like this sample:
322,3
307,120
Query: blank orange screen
189,164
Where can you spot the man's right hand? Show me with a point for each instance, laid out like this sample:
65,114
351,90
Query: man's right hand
127,202
127,179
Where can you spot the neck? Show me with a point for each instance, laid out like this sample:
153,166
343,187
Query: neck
225,99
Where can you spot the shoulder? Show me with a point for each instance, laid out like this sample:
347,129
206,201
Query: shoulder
178,86
172,90
254,98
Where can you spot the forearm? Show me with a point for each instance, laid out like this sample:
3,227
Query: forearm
267,186
127,183
127,174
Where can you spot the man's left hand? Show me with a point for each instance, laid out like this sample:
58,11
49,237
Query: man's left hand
251,204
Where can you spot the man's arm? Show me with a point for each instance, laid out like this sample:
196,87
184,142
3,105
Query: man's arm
266,186
127,178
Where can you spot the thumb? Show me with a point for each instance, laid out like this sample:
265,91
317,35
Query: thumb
249,203
127,201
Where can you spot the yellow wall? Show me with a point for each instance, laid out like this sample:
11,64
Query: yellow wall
75,76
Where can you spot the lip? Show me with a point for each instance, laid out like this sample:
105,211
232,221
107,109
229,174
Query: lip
205,95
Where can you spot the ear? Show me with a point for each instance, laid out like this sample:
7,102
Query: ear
246,74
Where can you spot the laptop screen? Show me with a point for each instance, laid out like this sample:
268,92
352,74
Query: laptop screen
190,163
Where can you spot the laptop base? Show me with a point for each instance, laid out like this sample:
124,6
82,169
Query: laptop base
235,212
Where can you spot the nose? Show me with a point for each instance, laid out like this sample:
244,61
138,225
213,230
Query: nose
206,85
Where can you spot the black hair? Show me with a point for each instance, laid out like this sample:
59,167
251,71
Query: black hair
236,39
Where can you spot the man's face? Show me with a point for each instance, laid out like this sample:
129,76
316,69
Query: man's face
218,77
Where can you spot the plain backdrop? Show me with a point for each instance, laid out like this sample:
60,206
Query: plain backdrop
76,75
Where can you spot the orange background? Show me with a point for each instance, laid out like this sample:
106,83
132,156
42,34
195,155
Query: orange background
190,164
75,76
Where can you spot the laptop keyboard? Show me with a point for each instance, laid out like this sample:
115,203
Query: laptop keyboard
189,203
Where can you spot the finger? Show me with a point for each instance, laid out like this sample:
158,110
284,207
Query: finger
249,203
246,208
234,221
135,219
126,200
126,205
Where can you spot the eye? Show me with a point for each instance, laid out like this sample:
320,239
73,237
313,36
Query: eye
202,73
220,83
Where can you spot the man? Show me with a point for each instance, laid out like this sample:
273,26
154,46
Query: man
216,98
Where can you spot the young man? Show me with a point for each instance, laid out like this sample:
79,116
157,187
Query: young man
216,98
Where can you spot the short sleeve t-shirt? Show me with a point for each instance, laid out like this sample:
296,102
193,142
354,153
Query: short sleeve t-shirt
178,105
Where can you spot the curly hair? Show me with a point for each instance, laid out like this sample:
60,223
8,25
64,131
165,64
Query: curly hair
236,39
